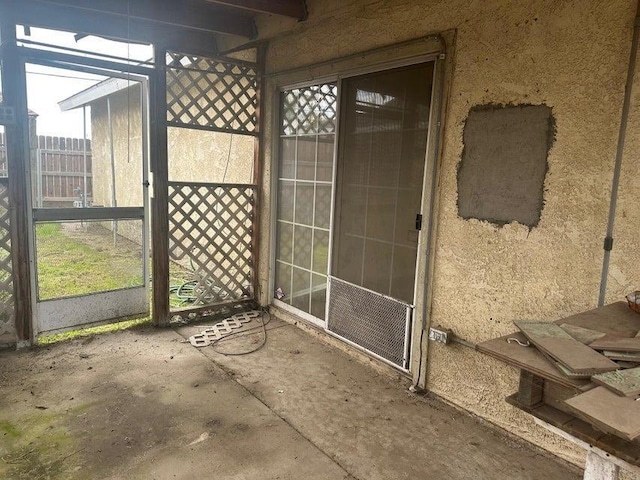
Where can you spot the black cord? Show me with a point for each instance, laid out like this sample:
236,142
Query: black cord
262,327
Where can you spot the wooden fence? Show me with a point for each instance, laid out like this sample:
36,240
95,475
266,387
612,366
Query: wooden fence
58,169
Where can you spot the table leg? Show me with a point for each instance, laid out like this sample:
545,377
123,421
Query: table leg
599,468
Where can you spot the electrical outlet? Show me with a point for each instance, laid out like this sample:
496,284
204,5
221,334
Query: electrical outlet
440,335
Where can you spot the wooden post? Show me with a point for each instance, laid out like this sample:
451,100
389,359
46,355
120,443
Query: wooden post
160,178
14,91
531,388
258,161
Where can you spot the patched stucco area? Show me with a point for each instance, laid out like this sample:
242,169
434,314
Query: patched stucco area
504,163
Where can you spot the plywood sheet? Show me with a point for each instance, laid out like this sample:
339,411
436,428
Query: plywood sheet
617,344
529,359
581,334
615,318
625,383
622,356
555,342
608,411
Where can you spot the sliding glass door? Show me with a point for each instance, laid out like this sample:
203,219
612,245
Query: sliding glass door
346,245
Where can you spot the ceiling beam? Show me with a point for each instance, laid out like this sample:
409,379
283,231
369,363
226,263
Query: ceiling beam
289,8
186,15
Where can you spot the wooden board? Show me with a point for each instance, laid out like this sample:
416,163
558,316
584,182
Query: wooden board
623,356
625,383
555,342
581,334
529,359
617,344
616,446
608,411
616,318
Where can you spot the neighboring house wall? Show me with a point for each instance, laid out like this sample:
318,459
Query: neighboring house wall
571,56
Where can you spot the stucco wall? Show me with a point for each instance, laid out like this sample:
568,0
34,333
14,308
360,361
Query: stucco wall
194,155
570,55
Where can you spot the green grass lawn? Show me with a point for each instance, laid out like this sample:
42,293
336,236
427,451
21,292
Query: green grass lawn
76,260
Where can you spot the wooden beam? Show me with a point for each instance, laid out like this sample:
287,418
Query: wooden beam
158,153
15,95
184,25
289,8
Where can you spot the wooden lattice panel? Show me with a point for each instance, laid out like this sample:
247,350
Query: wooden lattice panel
210,234
7,325
212,94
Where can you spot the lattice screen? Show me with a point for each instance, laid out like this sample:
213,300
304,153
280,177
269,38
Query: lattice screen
219,95
210,236
7,325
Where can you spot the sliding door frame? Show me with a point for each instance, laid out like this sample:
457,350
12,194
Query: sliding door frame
338,79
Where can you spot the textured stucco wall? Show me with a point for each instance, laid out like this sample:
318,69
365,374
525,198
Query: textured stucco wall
570,55
194,155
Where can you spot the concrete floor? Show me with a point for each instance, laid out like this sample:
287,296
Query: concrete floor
141,404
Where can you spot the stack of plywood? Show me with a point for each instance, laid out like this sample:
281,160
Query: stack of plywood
609,360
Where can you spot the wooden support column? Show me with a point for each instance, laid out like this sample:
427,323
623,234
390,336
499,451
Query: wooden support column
258,161
15,96
160,178
531,388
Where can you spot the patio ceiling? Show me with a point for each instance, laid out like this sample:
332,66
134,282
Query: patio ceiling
142,17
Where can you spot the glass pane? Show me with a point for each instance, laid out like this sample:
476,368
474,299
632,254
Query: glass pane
323,206
283,282
302,247
318,296
304,203
78,258
320,251
287,157
306,159
301,289
285,200
284,247
324,171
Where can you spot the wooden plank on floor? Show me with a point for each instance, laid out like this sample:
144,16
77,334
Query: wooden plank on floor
625,383
575,356
528,358
608,411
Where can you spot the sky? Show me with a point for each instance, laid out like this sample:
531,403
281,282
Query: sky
46,86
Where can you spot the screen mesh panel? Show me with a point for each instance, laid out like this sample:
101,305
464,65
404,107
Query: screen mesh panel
377,323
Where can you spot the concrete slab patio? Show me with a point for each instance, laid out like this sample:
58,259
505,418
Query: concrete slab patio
141,404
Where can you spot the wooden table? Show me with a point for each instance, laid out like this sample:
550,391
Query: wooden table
543,389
